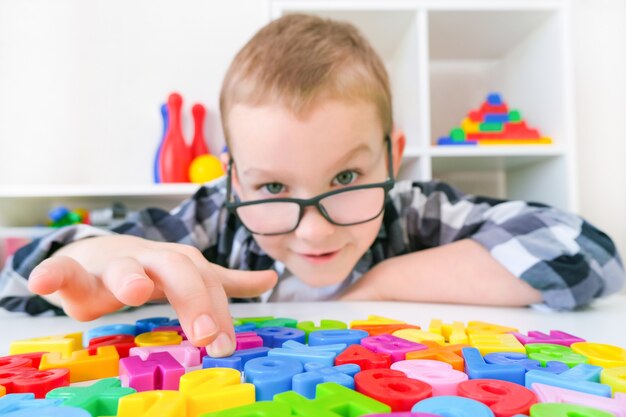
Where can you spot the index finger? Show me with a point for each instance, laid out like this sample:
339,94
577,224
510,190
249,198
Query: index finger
199,301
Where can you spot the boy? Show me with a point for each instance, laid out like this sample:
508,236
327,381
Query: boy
310,204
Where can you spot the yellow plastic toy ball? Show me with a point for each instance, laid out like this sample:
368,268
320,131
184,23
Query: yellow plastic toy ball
205,168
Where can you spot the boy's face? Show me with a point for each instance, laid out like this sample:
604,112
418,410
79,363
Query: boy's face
335,145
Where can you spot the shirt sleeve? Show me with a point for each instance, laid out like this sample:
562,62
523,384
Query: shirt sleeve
560,254
197,222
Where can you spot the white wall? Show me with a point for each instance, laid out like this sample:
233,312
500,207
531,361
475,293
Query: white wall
81,82
599,49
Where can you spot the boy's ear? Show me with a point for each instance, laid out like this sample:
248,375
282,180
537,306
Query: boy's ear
398,141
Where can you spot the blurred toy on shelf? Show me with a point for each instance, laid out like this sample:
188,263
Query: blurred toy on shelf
157,155
105,217
205,168
198,144
494,124
62,216
175,161
175,155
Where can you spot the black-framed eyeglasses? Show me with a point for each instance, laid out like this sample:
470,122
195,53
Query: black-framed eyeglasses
344,207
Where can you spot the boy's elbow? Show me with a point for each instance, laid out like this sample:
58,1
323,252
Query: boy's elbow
613,277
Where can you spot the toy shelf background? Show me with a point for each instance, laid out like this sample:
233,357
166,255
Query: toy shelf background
81,83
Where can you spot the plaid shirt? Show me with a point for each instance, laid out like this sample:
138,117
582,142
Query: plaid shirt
567,259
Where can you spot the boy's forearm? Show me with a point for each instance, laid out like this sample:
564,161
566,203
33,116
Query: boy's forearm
460,272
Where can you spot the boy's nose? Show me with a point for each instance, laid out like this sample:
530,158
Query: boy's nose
313,226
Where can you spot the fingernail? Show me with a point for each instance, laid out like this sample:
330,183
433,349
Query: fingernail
38,273
221,346
204,327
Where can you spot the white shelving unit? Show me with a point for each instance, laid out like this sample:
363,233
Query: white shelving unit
20,207
444,57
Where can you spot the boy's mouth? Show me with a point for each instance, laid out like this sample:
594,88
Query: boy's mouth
319,258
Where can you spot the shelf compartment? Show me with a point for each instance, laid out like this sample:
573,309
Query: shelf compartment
538,178
26,206
517,53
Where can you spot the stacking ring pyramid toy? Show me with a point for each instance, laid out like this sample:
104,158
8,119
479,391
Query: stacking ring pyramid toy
494,124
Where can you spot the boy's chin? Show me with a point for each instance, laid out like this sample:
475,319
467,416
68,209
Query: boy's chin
319,279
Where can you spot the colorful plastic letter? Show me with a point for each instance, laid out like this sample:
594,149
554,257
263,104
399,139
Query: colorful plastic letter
324,354
482,327
153,404
17,402
477,368
236,361
580,378
451,354
13,361
279,322
158,339
65,344
84,366
503,397
378,329
122,342
309,326
418,336
247,340
254,320
150,323
109,330
495,342
159,371
451,406
215,389
607,356
329,397
177,329
186,354
30,380
404,414
365,358
271,375
453,333
443,379
306,383
258,409
555,337
544,352
329,337
50,412
373,320
394,346
274,337
615,378
99,399
392,387
550,394
566,410
506,358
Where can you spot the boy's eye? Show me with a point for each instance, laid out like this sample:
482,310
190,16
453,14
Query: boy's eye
345,178
274,187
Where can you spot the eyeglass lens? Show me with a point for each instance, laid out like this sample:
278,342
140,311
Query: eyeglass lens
345,208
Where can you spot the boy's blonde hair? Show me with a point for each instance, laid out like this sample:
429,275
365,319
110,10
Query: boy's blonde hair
298,60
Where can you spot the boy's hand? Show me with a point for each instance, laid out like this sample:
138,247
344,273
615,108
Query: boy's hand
96,276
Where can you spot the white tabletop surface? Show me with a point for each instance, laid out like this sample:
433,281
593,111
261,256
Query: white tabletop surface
604,322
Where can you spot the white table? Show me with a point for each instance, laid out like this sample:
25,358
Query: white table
604,322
